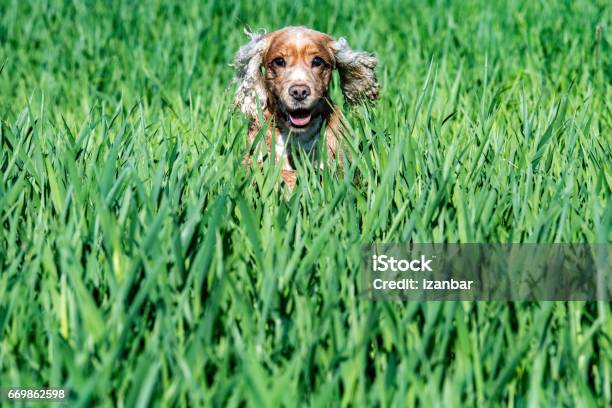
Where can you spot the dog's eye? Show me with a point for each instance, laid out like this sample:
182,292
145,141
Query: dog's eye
279,62
317,61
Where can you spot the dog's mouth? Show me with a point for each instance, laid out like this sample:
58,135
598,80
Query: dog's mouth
300,117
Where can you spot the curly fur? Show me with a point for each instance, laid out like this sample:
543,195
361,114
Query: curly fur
273,92
248,63
357,72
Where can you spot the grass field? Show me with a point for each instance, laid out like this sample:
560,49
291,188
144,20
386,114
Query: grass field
141,263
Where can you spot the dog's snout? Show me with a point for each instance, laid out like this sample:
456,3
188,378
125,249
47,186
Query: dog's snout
299,92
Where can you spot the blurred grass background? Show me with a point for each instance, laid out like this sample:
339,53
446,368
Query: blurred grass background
141,263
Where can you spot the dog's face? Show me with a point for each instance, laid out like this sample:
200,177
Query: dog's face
298,68
287,72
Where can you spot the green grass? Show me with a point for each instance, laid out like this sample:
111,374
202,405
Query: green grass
141,262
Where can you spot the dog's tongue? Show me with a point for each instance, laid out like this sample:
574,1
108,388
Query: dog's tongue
299,119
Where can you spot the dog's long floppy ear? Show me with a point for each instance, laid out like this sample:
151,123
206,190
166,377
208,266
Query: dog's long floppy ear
247,62
357,72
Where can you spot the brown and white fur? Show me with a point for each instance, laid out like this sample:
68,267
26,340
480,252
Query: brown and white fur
288,72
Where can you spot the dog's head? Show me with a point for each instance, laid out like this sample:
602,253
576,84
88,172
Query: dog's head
288,71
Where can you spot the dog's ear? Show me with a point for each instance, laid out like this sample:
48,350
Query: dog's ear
357,72
247,62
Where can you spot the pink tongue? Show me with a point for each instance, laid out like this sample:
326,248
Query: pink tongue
300,121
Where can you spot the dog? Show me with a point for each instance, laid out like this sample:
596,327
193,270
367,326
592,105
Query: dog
285,75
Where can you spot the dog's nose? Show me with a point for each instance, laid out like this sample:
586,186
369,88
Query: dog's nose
299,92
